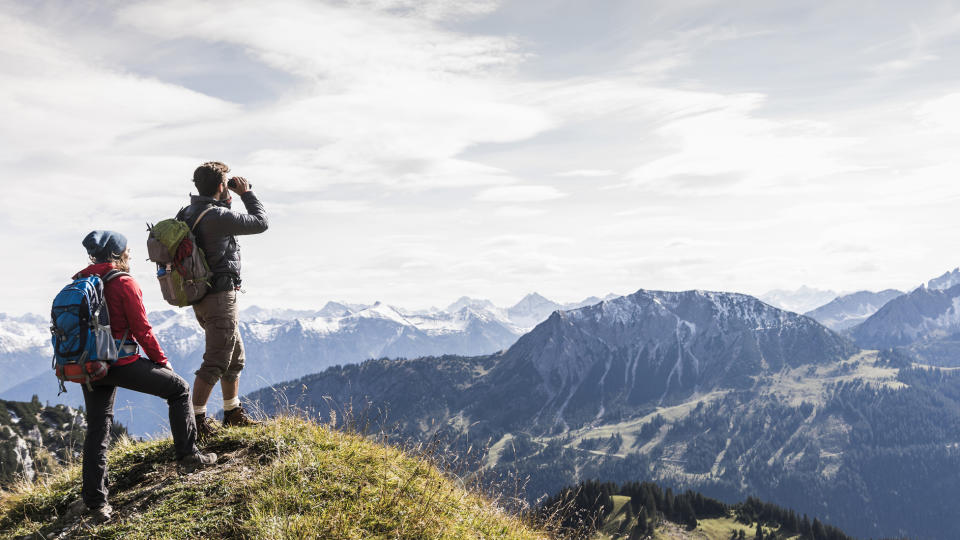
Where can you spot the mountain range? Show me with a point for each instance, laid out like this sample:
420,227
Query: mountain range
280,345
623,357
849,310
924,323
713,391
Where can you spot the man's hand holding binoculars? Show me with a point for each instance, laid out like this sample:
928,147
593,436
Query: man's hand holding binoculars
239,185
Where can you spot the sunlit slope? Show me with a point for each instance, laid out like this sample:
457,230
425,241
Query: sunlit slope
285,479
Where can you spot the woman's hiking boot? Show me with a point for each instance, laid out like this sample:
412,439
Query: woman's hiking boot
206,427
196,461
237,417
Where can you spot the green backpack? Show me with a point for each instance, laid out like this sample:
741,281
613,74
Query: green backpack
182,268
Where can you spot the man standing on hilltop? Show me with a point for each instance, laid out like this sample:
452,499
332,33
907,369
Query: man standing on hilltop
217,312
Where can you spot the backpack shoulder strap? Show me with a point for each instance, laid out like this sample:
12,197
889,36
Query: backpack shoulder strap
197,221
113,274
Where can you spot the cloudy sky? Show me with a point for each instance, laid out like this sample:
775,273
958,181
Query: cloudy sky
413,151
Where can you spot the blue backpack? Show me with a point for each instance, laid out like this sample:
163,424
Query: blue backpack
83,347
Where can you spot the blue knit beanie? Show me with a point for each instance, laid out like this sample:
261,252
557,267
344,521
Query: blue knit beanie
103,245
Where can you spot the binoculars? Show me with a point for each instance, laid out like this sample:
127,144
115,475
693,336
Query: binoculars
232,183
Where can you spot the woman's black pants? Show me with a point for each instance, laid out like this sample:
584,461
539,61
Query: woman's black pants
140,376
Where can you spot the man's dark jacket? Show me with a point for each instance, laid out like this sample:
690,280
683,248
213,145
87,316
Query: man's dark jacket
216,233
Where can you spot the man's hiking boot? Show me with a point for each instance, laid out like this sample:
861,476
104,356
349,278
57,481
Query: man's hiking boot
237,417
206,427
196,461
100,514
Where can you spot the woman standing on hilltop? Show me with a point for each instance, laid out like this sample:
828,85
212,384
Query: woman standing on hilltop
152,375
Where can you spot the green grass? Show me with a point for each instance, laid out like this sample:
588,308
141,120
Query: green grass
286,478
618,521
720,528
707,529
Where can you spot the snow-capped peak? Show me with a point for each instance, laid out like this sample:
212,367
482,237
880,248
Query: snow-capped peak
380,310
466,301
533,301
947,280
338,309
163,321
17,333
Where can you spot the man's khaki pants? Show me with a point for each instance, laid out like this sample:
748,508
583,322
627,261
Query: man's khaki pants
223,357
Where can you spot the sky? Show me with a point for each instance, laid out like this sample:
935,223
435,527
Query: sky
416,151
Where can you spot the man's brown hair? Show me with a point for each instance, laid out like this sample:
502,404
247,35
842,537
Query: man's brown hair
209,176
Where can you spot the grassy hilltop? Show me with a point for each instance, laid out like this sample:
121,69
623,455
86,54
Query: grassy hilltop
285,479
289,478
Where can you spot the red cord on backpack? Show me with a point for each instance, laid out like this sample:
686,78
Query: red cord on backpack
184,250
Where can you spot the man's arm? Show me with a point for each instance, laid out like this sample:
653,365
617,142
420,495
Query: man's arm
236,223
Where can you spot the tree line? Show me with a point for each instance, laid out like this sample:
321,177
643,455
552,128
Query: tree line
585,508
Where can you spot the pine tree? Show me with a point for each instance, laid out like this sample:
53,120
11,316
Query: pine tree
668,505
687,516
793,522
643,519
819,533
628,517
650,502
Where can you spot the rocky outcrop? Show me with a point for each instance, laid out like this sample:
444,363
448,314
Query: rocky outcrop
36,439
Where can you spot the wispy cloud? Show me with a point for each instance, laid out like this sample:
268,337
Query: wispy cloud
322,207
900,65
433,9
520,194
514,211
446,142
56,101
586,173
732,140
384,99
942,113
